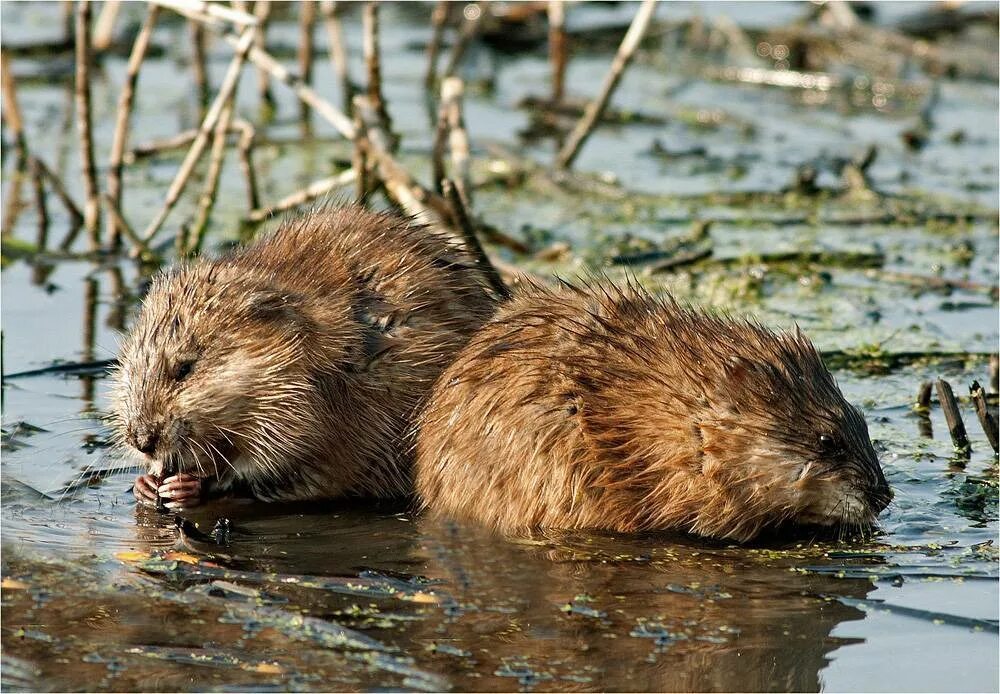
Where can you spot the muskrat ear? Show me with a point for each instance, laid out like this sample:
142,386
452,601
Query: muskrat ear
275,305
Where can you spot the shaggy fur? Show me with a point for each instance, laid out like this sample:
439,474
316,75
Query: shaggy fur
596,407
295,366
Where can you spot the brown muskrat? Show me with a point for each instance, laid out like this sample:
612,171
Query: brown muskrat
293,368
600,407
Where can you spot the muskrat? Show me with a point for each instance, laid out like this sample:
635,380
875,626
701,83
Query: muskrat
292,369
602,407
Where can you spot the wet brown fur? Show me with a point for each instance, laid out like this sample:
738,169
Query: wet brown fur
599,407
309,352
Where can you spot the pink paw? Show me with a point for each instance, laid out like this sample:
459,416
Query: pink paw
180,491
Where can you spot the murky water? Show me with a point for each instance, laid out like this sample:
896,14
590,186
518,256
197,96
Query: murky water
98,594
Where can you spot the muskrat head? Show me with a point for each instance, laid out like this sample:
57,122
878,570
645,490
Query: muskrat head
216,374
783,443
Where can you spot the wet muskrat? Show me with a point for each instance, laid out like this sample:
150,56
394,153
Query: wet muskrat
293,367
599,407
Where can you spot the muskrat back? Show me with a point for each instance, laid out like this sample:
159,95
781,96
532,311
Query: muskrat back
600,407
294,367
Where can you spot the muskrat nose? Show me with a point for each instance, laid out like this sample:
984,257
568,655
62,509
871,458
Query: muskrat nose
880,497
145,439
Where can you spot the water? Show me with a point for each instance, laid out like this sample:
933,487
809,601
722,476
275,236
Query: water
98,594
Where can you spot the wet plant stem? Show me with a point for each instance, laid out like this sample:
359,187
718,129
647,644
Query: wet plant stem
306,52
592,114
122,119
84,119
11,111
226,90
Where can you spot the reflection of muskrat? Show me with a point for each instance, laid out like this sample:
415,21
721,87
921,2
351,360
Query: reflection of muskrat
607,408
293,368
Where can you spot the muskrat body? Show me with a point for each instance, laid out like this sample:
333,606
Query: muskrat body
599,407
293,368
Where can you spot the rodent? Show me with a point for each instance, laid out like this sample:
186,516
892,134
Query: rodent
292,369
595,406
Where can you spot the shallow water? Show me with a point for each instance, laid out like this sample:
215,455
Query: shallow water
98,594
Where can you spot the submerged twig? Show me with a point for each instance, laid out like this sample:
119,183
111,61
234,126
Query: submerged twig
952,415
307,21
204,132
592,114
301,197
91,209
125,101
11,111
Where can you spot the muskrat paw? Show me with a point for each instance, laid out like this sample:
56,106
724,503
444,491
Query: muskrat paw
144,489
180,491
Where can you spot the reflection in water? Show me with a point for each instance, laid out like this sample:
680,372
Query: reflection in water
646,613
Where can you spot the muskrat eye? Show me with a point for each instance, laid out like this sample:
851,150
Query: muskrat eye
183,370
828,445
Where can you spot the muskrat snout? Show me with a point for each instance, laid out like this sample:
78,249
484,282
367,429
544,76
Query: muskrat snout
144,438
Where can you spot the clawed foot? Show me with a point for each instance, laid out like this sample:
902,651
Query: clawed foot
178,492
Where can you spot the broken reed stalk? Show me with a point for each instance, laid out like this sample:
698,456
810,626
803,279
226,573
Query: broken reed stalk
125,101
360,161
262,13
196,232
473,13
452,91
464,226
11,111
438,18
307,22
952,415
438,172
400,186
198,65
323,107
153,147
122,224
201,10
301,197
265,61
986,419
91,207
592,114
373,66
12,205
104,30
330,10
557,48
994,373
245,148
924,396
226,90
